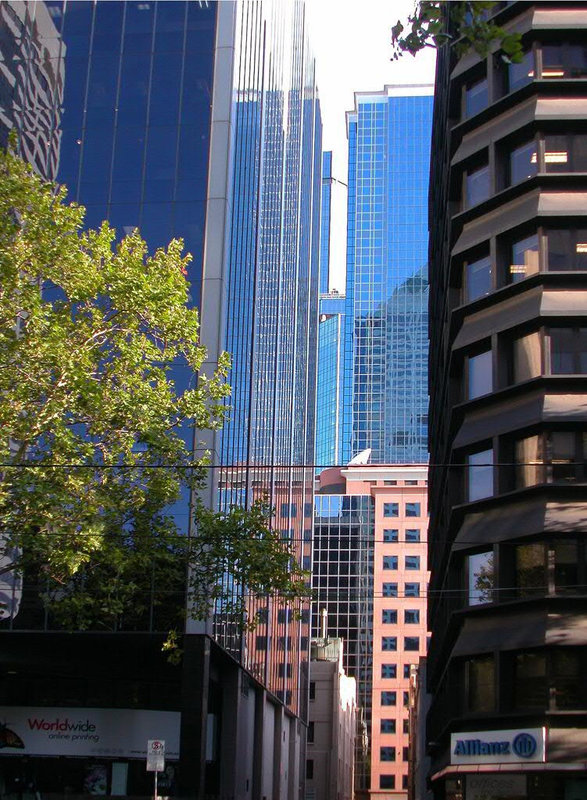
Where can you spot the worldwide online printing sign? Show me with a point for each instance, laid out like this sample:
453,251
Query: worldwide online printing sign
498,747
102,732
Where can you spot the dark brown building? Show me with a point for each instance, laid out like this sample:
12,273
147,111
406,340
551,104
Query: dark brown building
507,665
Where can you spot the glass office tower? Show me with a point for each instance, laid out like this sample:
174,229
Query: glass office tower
329,393
200,120
386,340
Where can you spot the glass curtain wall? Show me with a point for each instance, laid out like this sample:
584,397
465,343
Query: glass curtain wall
387,281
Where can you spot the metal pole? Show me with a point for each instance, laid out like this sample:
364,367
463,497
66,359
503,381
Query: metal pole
155,774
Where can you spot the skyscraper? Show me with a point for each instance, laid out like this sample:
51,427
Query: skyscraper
386,338
508,427
329,393
384,420
199,120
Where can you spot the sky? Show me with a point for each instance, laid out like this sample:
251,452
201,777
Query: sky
352,43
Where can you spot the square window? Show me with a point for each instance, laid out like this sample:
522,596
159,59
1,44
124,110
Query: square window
389,643
411,643
387,781
412,562
407,669
412,590
389,590
389,670
413,509
389,616
390,535
391,509
388,698
412,534
387,726
387,753
390,562
411,616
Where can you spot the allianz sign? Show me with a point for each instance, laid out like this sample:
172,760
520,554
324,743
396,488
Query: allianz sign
498,747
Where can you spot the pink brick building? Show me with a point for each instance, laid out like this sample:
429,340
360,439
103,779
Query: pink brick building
386,534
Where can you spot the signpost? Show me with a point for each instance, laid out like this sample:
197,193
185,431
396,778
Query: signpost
155,759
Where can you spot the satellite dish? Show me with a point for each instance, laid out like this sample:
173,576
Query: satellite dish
361,458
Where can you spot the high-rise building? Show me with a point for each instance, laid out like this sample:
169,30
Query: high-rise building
386,336
330,389
198,120
508,425
370,577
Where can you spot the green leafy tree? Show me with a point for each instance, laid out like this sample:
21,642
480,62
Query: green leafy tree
93,451
437,22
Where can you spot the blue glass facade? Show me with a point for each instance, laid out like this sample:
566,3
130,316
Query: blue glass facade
329,390
386,340
325,217
200,120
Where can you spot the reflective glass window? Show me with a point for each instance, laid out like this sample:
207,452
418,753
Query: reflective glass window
480,578
391,509
530,684
387,726
390,535
389,616
524,259
387,753
389,670
522,73
412,589
477,186
412,562
481,683
480,380
480,475
389,589
389,643
411,616
389,562
413,509
523,162
476,97
411,643
387,781
567,249
527,362
478,278
412,534
531,572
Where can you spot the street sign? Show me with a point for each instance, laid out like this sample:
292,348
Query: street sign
155,755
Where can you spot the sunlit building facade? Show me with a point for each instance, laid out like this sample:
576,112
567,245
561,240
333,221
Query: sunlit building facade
370,579
386,338
197,120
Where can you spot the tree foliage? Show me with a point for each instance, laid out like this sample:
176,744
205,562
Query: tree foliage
437,22
93,450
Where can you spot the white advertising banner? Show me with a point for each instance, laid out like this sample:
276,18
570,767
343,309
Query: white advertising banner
101,732
498,747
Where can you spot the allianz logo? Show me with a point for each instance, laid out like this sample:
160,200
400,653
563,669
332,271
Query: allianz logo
523,745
